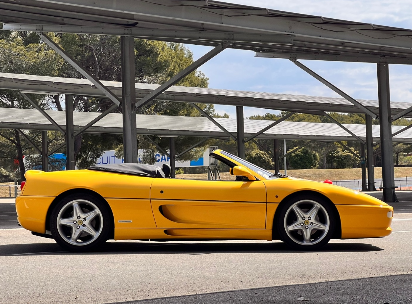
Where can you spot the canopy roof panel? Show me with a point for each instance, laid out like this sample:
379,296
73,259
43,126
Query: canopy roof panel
161,125
298,103
205,22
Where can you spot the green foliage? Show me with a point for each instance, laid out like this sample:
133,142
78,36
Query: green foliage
6,176
303,158
329,155
18,55
260,158
179,171
156,62
341,159
93,147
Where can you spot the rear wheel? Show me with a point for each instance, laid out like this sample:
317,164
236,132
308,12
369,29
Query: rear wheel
80,222
306,222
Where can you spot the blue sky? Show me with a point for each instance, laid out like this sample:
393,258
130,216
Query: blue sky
240,70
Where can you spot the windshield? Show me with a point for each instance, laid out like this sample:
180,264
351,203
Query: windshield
262,172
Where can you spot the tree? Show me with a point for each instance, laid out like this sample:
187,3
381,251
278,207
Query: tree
156,62
260,158
303,159
21,53
341,159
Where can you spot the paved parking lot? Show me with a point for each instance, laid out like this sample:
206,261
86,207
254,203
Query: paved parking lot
37,270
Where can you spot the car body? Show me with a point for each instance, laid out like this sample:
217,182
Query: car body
81,209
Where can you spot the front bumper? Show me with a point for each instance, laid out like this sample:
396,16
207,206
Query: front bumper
365,221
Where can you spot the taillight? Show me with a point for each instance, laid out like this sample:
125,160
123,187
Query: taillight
22,185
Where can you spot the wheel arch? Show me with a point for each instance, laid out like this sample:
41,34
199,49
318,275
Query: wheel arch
79,191
338,231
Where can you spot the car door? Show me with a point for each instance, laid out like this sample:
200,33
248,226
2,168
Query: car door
180,203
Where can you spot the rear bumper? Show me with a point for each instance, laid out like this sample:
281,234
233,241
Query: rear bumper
32,212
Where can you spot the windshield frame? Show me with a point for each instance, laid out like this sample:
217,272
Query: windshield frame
228,157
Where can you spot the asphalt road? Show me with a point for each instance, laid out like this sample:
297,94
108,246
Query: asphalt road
37,270
8,217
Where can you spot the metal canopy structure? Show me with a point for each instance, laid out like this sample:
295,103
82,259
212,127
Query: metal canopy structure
270,33
31,119
287,102
205,22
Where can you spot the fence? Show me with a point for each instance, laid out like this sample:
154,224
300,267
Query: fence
9,190
402,183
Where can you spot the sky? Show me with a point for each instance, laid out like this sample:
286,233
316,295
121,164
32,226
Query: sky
240,70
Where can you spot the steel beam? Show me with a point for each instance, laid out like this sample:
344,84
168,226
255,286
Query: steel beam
401,130
172,158
344,128
192,147
70,157
128,100
240,123
341,57
57,148
82,71
155,34
369,151
401,114
44,152
98,118
43,112
202,17
218,49
363,166
276,155
334,88
213,121
155,143
29,140
270,126
386,133
284,157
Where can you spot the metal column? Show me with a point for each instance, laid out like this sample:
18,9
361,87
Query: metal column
70,161
363,166
44,152
128,100
386,133
284,157
240,132
276,155
172,158
369,153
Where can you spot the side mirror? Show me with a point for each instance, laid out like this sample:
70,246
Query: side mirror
241,171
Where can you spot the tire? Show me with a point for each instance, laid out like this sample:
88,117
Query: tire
306,222
80,222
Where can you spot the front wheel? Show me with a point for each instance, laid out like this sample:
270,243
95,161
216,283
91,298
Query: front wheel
80,222
306,222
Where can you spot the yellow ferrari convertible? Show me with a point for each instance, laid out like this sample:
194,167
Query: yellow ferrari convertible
81,209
